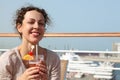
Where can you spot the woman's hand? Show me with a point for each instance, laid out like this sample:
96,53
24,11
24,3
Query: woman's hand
43,70
31,73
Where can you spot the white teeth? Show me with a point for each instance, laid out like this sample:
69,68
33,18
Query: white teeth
36,33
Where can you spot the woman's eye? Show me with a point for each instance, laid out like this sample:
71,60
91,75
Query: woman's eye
41,24
31,22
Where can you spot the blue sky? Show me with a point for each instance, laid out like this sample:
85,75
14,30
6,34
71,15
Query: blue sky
68,16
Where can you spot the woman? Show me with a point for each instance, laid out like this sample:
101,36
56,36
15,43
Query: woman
30,22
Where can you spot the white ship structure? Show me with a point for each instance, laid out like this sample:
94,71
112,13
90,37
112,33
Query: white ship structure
101,66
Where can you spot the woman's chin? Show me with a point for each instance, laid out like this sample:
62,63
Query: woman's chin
35,42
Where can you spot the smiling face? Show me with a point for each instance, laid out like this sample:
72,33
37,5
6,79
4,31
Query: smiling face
32,27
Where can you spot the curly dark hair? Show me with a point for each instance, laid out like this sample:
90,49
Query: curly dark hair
22,11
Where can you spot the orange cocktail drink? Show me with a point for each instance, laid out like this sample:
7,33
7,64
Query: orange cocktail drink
32,62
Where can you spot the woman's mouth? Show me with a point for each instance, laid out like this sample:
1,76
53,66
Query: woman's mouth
35,34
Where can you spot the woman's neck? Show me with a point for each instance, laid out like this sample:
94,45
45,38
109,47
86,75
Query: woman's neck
25,48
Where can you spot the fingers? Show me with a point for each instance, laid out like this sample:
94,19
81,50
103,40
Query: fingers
43,76
34,77
42,68
33,68
35,73
31,73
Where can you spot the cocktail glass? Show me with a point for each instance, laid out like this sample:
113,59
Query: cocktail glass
33,63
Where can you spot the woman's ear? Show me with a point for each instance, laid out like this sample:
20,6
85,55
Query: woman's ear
19,28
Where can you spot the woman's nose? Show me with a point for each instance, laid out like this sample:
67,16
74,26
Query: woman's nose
36,25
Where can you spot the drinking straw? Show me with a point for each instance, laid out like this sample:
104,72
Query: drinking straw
36,52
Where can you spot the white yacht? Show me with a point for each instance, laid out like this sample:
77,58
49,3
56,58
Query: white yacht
77,67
